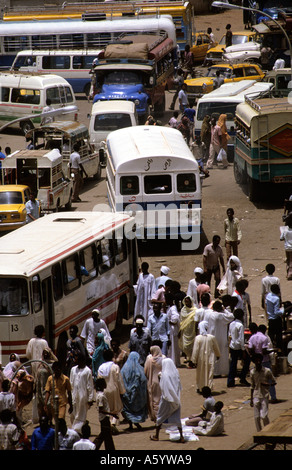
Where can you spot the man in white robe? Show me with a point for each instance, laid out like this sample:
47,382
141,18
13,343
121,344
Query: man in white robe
204,355
145,291
90,329
174,327
218,322
82,393
193,284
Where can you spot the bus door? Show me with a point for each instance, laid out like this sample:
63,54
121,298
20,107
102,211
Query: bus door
48,308
26,170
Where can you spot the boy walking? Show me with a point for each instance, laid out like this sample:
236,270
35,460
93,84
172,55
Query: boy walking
261,379
104,412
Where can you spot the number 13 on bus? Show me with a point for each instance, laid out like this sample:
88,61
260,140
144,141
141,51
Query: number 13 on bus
56,270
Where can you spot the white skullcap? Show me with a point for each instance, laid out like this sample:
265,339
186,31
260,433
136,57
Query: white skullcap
165,270
198,270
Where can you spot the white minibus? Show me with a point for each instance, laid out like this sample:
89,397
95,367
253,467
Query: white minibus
27,94
224,100
152,173
74,65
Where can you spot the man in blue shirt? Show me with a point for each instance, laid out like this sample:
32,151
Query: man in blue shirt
43,437
158,326
274,314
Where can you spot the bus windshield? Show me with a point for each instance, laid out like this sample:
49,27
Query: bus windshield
215,109
111,121
13,296
121,77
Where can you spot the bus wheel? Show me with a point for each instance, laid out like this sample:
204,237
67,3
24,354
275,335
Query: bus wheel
238,175
26,126
253,189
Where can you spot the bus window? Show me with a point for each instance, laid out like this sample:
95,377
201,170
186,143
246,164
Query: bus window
68,94
88,264
25,96
36,294
54,95
56,62
129,185
57,281
70,274
4,94
156,184
13,297
68,41
106,255
120,250
186,182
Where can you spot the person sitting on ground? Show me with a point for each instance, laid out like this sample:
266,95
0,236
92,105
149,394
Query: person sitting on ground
208,408
215,426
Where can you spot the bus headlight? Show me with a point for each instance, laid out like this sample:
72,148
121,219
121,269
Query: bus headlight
137,102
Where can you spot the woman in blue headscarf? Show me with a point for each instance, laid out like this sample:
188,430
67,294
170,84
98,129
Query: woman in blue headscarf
135,408
97,357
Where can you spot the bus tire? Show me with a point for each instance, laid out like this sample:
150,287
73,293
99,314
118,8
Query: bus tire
26,126
238,175
253,189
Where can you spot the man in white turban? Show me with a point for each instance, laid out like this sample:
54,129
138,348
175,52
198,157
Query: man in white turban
161,280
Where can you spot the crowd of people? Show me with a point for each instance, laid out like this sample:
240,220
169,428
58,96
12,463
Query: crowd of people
209,329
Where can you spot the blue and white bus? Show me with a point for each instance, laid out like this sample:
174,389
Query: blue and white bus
74,65
73,34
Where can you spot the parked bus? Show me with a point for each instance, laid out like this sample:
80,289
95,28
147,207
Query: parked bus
224,100
73,65
152,173
42,171
72,34
23,95
263,146
140,69
57,269
63,135
182,13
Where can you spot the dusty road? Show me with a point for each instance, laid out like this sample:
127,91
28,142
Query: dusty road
260,245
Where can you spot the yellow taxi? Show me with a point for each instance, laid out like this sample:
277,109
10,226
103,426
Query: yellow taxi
201,44
197,87
13,198
215,54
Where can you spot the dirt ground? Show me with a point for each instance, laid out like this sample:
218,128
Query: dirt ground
260,245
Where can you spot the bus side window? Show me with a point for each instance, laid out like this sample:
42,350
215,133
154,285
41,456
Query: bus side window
71,273
36,294
88,264
68,94
106,255
57,281
120,249
4,94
